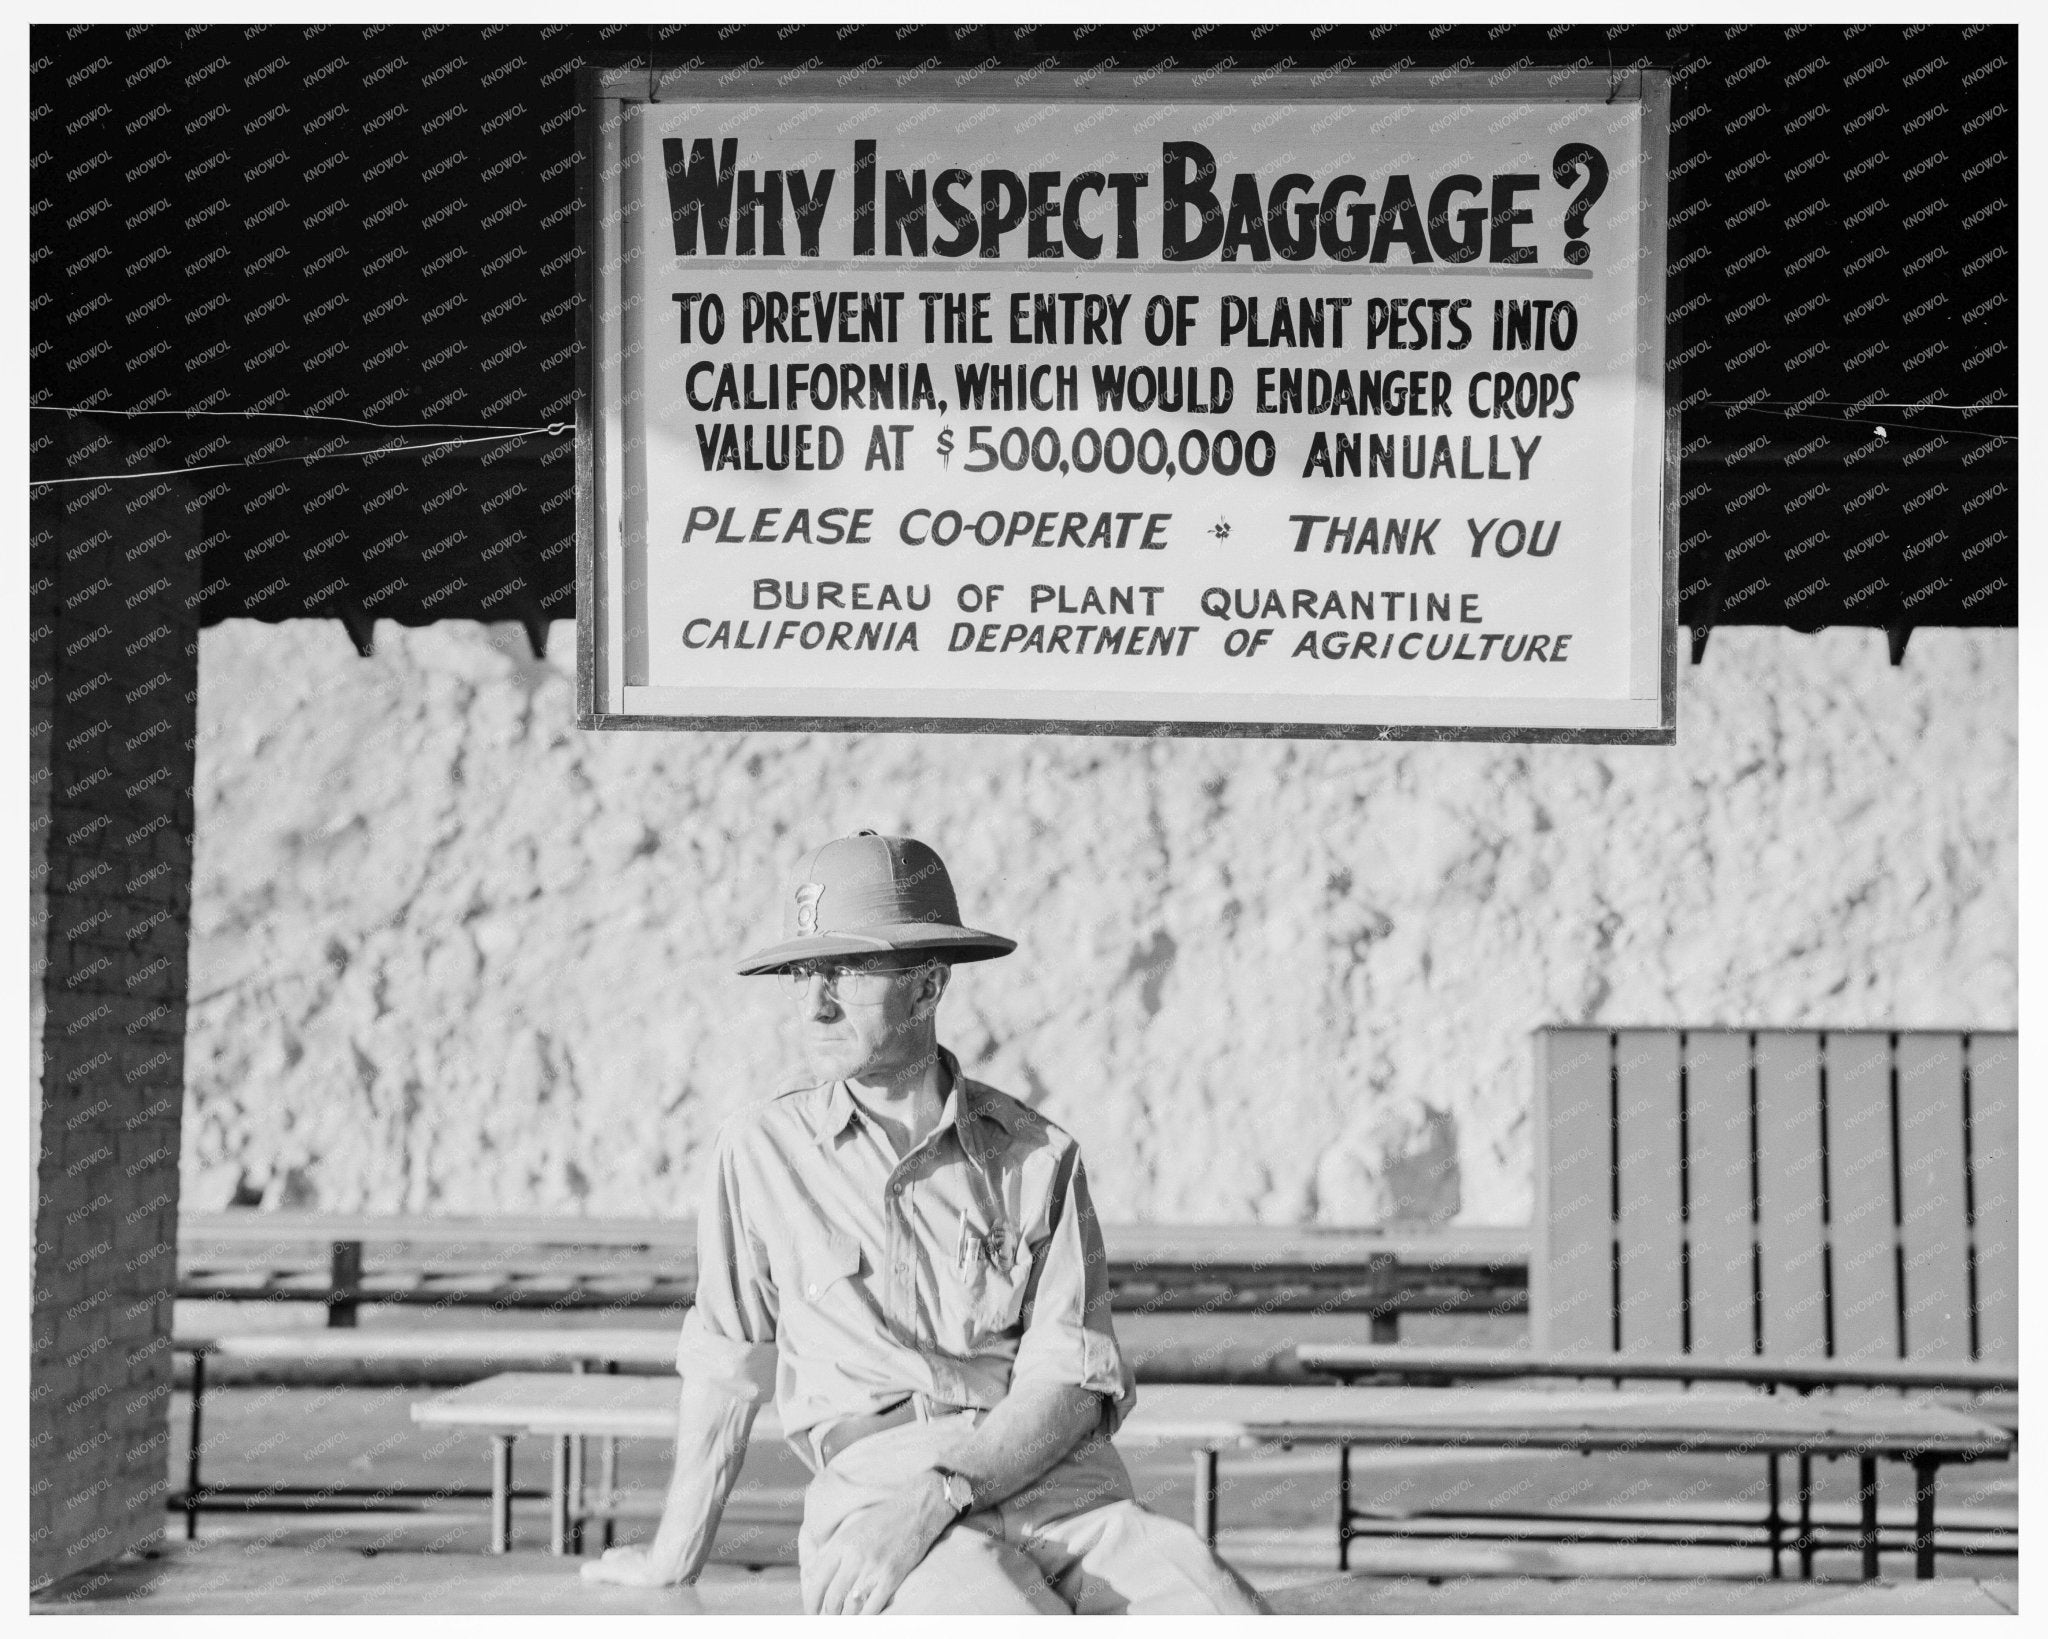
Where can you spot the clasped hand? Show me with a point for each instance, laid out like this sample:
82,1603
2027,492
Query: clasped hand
874,1548
635,1565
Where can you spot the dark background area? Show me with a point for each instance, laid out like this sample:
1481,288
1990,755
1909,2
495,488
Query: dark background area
381,223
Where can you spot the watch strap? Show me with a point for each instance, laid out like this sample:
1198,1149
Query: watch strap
959,1490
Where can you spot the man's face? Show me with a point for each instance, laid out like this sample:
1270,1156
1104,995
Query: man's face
874,1027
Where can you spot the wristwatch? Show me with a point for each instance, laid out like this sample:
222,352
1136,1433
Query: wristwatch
959,1490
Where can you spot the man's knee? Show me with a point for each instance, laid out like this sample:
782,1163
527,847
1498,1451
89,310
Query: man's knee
969,1572
1142,1545
1133,1524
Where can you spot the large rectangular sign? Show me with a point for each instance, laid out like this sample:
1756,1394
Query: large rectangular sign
1325,405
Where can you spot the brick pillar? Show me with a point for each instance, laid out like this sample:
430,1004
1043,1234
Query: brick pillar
114,673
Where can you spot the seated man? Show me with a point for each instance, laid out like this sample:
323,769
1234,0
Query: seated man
911,1262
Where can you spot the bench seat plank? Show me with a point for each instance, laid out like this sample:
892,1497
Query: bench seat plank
672,1242
1571,1295
1789,1187
259,1229
538,1262
563,1403
1933,1227
1862,1235
1648,1226
1361,1359
641,1346
550,1403
1994,1171
1721,1238
1574,1420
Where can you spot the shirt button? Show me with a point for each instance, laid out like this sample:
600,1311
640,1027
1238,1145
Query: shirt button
811,1290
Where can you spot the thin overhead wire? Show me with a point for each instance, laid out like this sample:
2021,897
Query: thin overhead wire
1788,414
277,461
553,427
1874,404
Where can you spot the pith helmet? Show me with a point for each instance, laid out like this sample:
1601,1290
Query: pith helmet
866,894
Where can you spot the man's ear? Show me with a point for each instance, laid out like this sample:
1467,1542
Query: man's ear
932,987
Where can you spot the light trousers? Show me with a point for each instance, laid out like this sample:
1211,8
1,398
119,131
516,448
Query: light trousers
1074,1542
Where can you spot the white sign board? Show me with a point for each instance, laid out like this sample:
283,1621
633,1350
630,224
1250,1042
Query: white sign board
1327,408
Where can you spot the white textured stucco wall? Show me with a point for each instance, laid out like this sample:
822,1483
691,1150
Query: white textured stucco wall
451,954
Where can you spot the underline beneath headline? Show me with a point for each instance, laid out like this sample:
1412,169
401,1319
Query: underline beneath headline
772,266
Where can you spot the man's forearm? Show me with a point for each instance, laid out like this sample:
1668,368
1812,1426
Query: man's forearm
711,1443
1032,1429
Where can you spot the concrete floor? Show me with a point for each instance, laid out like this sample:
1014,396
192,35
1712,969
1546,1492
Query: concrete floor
1277,1516
225,1576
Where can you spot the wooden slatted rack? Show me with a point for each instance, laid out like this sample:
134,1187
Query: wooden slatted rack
343,1261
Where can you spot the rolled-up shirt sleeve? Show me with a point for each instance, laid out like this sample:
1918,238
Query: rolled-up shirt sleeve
1068,1337
728,1337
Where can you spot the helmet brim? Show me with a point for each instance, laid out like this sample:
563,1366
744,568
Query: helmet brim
953,944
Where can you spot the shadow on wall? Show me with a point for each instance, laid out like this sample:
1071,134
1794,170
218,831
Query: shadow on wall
1403,1172
452,954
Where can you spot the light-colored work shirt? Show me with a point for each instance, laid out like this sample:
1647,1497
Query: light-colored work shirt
843,1279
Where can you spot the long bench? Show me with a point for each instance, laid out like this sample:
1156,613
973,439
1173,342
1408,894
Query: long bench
1406,1362
1987,1392
534,1265
419,1355
1790,1201
468,1350
1819,1195
564,1408
343,1261
1791,1209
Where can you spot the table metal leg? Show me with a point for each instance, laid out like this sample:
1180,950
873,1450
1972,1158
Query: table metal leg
1924,1471
1343,1506
192,1451
1806,1542
1867,1483
501,1493
1774,1523
558,1497
576,1472
1205,1494
576,1494
344,1279
607,1484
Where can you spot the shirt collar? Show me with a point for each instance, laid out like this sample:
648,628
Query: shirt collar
972,1114
964,1109
838,1111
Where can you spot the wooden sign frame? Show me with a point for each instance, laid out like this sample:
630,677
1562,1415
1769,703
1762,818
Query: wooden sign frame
610,507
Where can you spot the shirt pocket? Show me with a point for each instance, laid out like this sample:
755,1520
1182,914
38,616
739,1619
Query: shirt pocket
833,1259
998,1276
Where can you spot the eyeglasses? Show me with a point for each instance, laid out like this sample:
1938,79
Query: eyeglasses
857,981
